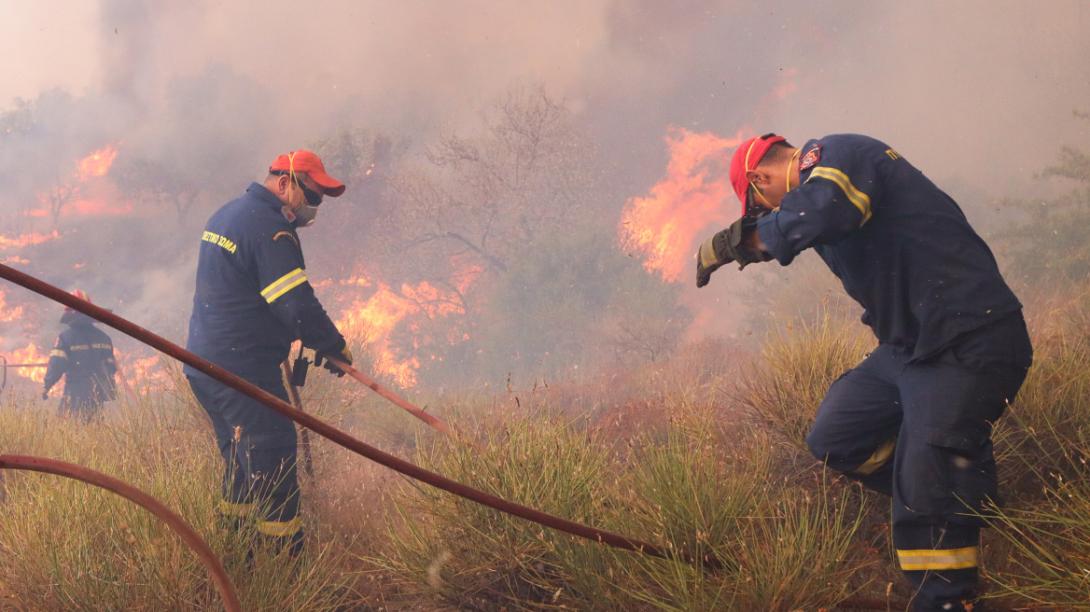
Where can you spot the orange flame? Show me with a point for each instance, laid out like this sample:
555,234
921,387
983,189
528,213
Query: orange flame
99,208
29,354
142,374
695,193
374,321
8,314
97,163
79,194
26,240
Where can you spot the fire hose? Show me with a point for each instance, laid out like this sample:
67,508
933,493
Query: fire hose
359,447
332,433
185,532
394,398
4,365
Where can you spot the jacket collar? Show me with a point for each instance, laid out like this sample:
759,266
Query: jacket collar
260,192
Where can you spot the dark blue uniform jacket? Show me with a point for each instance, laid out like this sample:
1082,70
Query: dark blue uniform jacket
902,248
253,298
84,355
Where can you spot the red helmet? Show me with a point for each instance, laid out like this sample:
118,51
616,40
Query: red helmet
746,157
81,294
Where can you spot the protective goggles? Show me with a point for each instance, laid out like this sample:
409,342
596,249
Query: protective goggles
314,198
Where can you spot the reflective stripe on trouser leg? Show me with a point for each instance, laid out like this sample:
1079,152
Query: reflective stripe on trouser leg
280,529
282,535
226,508
940,563
923,559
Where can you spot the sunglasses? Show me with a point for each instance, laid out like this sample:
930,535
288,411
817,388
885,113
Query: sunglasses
314,198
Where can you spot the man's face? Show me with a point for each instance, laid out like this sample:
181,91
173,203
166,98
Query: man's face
293,195
769,182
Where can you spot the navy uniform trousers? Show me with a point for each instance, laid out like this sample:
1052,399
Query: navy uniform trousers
921,432
258,446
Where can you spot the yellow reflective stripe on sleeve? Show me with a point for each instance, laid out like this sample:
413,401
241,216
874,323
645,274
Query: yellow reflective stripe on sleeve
58,353
227,508
284,284
877,459
939,559
858,199
279,529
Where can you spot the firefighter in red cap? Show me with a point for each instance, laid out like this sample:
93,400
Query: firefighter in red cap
252,301
913,420
84,356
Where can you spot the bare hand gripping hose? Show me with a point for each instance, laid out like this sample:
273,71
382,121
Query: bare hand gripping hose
149,503
328,431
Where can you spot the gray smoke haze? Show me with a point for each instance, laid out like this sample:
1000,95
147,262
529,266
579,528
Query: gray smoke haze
978,94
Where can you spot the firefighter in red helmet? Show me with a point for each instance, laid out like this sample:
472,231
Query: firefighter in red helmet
913,420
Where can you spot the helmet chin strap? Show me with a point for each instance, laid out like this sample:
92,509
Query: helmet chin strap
789,165
761,195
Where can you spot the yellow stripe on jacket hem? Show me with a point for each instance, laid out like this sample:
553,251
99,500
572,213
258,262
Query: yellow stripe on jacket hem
938,559
284,284
858,199
280,529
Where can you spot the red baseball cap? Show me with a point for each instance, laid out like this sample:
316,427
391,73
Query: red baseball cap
308,162
746,157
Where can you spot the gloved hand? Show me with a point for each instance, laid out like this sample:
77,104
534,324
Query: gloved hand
45,394
344,355
725,247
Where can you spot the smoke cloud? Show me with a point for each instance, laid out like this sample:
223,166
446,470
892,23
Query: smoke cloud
977,94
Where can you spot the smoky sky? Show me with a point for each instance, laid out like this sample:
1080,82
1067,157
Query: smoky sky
983,87
980,94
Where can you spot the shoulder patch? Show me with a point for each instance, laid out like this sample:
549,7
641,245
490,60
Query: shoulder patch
285,234
810,158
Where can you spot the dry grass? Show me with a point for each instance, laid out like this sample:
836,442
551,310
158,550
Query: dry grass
662,453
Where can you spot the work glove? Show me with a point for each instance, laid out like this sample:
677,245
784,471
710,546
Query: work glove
725,247
344,355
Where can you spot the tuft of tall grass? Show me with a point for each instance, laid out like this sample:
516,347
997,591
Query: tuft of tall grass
474,556
798,364
1048,547
1050,419
779,545
65,545
1043,447
686,493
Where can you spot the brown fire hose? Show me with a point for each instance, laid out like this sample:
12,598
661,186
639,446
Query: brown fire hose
4,365
185,532
304,433
332,433
394,398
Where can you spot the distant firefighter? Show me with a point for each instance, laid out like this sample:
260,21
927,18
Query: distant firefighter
252,301
84,355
